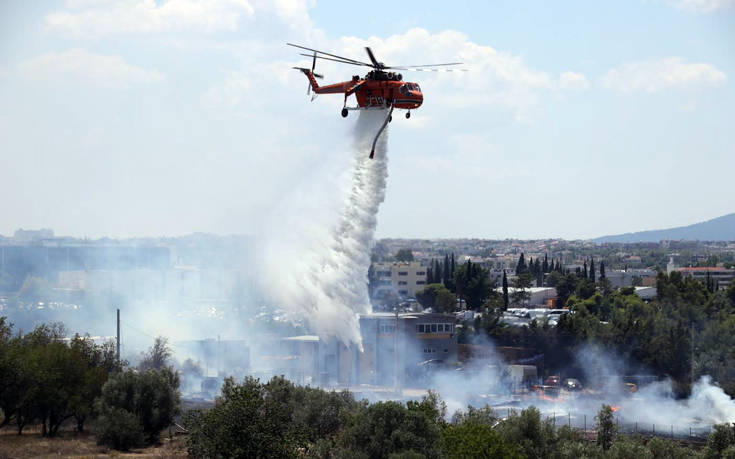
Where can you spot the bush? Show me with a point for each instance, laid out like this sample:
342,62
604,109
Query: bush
119,429
152,398
248,420
475,440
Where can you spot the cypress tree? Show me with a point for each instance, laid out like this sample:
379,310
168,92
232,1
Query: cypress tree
521,266
592,270
602,270
537,266
505,292
445,271
438,275
429,275
584,272
451,267
545,265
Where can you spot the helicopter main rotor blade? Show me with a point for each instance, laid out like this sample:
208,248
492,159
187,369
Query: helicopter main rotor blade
431,70
336,60
403,67
327,54
375,62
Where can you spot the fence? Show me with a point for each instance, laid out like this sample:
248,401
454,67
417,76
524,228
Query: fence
586,424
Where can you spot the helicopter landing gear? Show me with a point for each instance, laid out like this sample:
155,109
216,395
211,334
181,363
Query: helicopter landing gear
408,115
390,118
344,113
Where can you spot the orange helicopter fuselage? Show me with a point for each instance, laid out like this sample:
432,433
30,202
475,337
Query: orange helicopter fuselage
374,93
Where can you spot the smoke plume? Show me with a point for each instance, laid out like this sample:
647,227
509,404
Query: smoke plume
321,276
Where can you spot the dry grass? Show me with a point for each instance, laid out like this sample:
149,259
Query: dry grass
72,444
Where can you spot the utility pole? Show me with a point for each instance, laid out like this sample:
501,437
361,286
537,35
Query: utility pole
395,352
118,336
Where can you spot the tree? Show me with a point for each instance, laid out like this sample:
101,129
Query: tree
602,270
565,286
592,270
545,265
282,420
445,271
606,427
505,292
521,284
584,271
383,429
526,429
521,266
152,397
404,255
475,440
473,284
437,297
438,273
157,357
721,439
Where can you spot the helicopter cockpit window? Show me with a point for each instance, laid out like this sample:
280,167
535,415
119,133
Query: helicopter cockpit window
416,87
403,89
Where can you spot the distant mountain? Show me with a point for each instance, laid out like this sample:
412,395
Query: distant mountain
717,229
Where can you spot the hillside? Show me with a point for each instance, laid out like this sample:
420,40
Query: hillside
717,229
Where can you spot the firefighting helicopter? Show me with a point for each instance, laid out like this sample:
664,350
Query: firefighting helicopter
381,87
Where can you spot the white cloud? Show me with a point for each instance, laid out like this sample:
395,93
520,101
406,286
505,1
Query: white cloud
573,80
494,78
703,6
659,74
98,18
229,93
81,65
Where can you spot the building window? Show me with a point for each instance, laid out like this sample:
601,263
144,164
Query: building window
446,351
387,328
383,273
403,273
433,328
420,328
420,282
420,273
402,283
403,292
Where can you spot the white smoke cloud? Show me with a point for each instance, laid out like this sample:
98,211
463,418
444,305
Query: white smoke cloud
317,269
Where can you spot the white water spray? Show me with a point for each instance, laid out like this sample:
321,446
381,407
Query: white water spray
321,276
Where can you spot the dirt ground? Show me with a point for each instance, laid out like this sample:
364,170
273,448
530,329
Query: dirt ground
72,444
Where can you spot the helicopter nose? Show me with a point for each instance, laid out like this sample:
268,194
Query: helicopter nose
419,98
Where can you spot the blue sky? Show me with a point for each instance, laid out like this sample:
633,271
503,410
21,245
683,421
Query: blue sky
576,119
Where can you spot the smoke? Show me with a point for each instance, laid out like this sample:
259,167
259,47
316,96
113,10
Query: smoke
486,380
315,261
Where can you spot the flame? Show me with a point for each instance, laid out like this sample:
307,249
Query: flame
615,408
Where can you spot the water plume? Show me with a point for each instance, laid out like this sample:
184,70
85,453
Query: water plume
317,270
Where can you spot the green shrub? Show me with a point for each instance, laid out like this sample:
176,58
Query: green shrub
119,429
475,440
152,398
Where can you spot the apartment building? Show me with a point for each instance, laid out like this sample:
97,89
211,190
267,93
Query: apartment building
403,278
